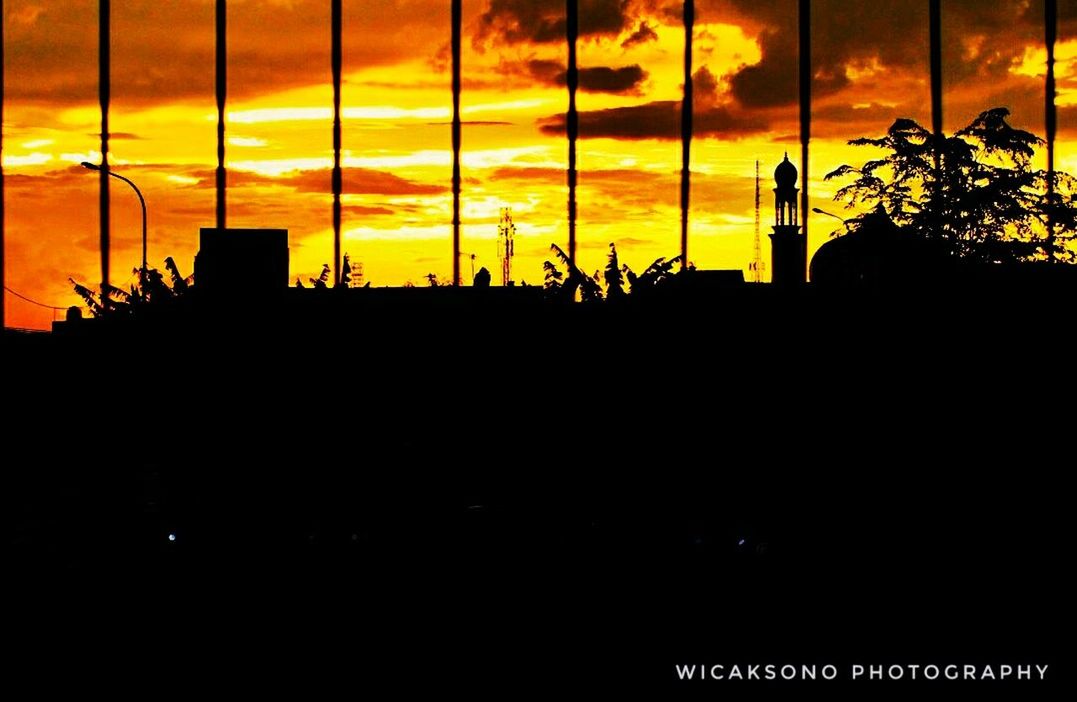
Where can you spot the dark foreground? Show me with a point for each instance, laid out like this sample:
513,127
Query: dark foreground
451,497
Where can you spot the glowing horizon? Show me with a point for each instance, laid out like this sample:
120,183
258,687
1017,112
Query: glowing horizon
397,149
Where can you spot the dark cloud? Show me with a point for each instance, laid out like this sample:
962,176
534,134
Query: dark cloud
598,79
981,43
544,175
623,241
363,210
656,120
848,121
472,124
118,136
543,21
363,181
1067,120
603,79
662,119
633,194
543,70
706,88
643,34
357,181
164,51
557,175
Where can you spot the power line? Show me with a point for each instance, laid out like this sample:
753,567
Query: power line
33,302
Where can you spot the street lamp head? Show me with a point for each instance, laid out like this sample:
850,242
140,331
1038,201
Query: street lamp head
816,210
91,166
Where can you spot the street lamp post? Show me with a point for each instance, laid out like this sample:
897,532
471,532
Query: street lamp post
142,201
816,210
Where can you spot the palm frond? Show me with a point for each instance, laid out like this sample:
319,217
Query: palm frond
88,297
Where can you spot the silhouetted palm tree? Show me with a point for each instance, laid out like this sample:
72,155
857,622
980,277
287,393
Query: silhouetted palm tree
151,289
614,276
576,281
322,281
179,283
345,272
654,275
686,127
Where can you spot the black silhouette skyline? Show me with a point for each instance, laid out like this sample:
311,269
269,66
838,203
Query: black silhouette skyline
578,479
804,23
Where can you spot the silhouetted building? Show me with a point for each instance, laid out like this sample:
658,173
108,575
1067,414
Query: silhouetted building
788,255
710,281
241,260
878,252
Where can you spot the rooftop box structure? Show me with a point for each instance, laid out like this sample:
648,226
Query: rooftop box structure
241,260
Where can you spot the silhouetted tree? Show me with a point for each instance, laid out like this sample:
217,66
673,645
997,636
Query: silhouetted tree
986,203
482,278
89,297
614,277
179,283
151,289
560,286
588,287
655,274
322,281
552,280
346,272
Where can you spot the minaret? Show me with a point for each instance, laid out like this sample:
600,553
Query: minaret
787,242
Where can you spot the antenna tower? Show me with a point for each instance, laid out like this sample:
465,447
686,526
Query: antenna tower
756,266
506,233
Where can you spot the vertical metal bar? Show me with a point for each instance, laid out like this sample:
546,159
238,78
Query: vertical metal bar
1051,118
935,12
222,91
457,22
338,178
935,40
804,21
3,221
686,128
104,92
572,31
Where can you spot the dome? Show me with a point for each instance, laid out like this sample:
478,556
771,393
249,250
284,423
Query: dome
785,175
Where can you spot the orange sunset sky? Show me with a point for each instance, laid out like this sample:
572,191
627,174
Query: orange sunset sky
870,63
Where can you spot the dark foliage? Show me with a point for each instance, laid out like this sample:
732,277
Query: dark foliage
986,203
